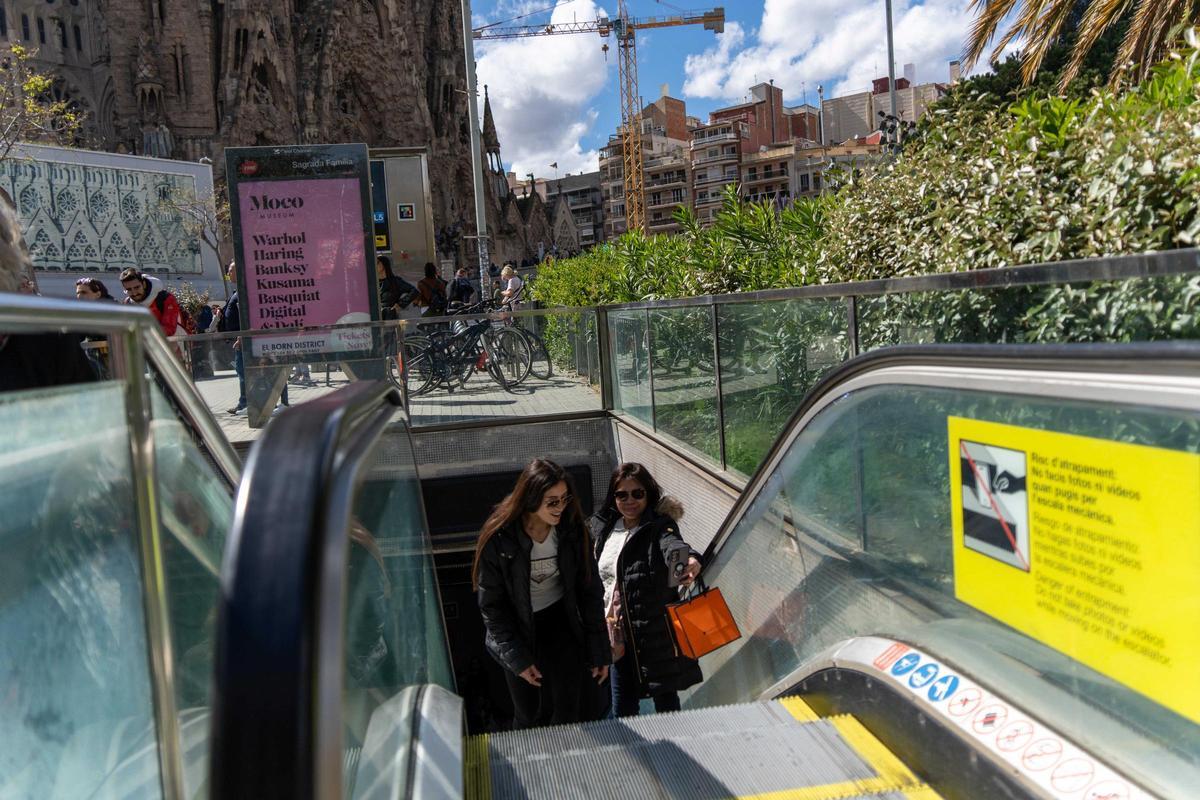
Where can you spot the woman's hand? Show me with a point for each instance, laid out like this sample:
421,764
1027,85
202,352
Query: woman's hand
691,573
531,675
600,673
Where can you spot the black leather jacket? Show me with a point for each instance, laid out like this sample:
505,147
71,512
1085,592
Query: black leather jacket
506,607
645,593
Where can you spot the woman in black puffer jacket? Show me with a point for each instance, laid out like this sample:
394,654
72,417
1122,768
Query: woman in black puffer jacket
635,535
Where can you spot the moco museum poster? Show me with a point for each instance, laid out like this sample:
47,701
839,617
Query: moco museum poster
302,238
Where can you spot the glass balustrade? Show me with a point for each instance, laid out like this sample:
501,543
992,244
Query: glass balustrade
853,535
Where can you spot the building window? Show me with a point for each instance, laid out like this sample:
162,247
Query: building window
41,30
677,195
78,39
62,33
3,22
804,182
25,27
816,183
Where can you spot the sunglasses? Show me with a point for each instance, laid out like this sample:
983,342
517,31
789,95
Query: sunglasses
556,502
636,494
82,281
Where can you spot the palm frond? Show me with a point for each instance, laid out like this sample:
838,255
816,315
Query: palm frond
991,14
1098,18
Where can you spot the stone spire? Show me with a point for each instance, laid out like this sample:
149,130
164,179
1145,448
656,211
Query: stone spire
491,141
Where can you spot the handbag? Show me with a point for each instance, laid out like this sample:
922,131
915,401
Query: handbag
702,623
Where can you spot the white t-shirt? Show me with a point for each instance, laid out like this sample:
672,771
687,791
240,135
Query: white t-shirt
608,559
545,581
514,290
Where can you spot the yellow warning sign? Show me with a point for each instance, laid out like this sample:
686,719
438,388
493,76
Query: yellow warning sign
1090,546
380,240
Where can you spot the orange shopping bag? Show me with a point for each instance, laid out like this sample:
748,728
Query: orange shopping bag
702,623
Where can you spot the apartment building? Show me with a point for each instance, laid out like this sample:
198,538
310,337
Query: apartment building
856,116
664,138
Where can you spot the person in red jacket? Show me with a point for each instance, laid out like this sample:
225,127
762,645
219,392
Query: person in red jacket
148,291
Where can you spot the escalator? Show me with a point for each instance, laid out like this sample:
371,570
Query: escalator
874,663
961,572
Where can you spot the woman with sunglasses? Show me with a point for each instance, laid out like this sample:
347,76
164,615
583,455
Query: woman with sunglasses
636,539
539,595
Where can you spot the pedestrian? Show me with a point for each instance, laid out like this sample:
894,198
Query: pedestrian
461,290
395,293
431,290
214,324
230,321
510,296
146,290
540,597
92,289
635,536
204,318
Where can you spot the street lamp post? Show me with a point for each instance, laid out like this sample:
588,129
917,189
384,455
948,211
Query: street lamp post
481,239
891,59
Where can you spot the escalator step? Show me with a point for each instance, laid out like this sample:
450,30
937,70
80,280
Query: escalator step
759,750
798,708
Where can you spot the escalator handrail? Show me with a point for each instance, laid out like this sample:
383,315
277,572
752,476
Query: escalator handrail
278,664
1169,359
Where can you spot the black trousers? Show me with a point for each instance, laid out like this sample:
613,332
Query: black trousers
560,659
627,690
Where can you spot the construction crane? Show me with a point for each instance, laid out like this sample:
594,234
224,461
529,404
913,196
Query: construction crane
624,28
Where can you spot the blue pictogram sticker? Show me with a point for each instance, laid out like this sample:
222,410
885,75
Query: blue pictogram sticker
943,687
906,664
381,216
923,676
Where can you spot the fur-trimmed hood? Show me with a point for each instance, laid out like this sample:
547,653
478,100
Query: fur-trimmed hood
671,506
156,286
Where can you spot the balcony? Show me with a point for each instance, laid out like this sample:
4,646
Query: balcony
661,225
704,141
666,202
712,180
579,202
665,181
759,177
712,159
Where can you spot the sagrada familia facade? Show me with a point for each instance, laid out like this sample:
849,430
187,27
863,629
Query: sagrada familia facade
186,78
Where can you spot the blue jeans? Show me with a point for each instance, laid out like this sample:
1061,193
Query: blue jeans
627,691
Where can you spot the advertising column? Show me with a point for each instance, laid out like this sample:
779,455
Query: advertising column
302,231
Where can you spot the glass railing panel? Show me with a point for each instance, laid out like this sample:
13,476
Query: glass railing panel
771,354
1130,310
857,539
628,333
76,716
498,366
195,513
502,366
685,378
395,636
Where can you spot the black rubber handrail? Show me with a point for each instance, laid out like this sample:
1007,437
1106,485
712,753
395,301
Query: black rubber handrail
277,666
1176,358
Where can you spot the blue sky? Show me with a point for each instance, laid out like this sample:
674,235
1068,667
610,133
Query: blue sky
556,98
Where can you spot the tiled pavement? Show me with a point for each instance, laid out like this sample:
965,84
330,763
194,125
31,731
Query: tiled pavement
481,399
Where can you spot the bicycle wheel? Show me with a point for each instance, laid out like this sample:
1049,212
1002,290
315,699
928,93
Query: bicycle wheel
540,365
508,359
418,366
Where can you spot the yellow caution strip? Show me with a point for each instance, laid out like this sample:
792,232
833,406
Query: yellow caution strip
799,709
922,793
882,760
477,770
842,791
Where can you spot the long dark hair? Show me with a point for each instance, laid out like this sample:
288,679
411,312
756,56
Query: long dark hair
526,497
635,471
387,267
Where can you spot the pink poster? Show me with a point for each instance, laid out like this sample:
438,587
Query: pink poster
303,246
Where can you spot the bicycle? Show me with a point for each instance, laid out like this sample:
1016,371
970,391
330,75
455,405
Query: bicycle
540,365
451,358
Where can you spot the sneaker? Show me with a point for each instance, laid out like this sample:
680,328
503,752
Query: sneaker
236,410
279,409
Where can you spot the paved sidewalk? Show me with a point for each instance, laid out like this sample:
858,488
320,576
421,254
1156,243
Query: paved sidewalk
481,399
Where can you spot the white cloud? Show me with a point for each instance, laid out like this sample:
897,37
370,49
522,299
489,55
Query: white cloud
840,44
541,89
